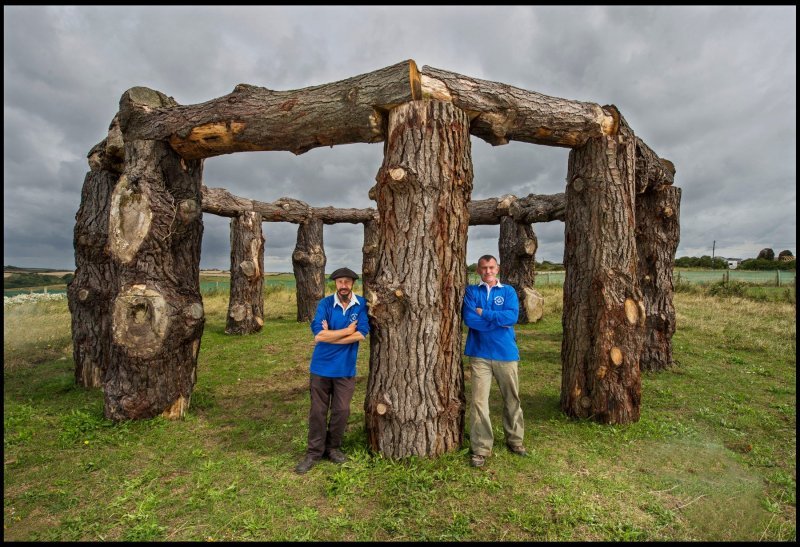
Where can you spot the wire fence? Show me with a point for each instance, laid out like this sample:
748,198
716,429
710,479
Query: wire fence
777,278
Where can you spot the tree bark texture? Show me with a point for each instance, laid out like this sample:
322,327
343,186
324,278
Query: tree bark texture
517,247
657,238
501,113
308,262
651,171
155,227
256,118
90,293
222,203
603,306
246,303
369,253
414,403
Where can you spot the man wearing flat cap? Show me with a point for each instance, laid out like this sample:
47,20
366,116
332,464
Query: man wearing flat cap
338,326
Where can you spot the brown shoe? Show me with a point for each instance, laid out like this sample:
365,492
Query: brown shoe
307,463
336,456
518,449
476,460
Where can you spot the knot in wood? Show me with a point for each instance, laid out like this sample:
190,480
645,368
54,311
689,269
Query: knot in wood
248,268
188,210
194,311
577,184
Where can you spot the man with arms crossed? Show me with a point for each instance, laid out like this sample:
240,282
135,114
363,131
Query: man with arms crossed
491,310
338,326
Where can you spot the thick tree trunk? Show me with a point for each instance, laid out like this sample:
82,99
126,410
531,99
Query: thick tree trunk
415,393
90,293
657,237
518,246
369,255
155,227
502,113
603,307
308,262
256,118
651,171
222,203
246,303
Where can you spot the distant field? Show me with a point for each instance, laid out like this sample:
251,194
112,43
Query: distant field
218,280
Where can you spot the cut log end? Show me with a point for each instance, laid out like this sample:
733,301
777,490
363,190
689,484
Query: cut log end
397,174
631,311
381,409
616,356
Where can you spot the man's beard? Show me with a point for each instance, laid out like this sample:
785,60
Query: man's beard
345,294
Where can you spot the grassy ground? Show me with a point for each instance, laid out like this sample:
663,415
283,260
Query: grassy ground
713,456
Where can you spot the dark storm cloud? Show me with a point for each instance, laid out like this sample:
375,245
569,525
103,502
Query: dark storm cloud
712,89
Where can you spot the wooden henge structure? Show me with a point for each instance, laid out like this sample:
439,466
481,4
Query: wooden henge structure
137,312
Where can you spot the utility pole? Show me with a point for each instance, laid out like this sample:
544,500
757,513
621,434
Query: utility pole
713,245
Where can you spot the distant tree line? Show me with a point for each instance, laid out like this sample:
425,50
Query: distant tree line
544,266
765,261
23,280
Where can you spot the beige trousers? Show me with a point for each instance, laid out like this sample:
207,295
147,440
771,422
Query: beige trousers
505,373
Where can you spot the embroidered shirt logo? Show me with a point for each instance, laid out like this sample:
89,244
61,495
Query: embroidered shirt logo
353,317
499,300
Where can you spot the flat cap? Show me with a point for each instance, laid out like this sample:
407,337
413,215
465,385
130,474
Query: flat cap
344,272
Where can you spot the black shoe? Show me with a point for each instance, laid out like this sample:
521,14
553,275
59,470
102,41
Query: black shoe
518,449
477,460
307,463
336,456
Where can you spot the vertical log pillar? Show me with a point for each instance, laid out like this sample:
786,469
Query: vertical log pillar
657,237
246,303
369,255
603,307
90,293
155,226
415,392
308,263
518,246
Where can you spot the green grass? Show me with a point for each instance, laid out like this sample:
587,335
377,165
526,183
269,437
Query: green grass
713,456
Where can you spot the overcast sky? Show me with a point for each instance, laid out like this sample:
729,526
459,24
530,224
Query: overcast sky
713,89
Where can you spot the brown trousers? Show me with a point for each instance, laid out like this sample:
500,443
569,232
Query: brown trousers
332,394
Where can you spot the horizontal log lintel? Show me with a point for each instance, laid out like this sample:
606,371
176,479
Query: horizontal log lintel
530,209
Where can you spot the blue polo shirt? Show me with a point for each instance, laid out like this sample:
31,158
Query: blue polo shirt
338,360
491,335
